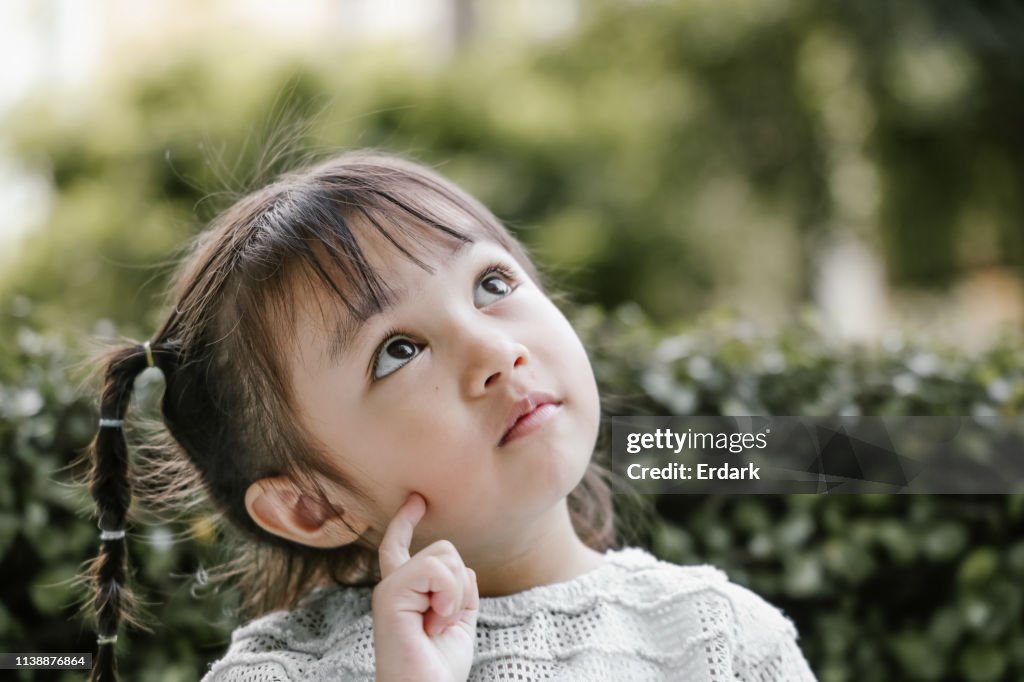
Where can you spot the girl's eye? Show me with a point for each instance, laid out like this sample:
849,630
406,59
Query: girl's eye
395,352
398,349
494,285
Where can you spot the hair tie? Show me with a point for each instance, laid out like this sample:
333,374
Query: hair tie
150,362
106,639
111,534
113,423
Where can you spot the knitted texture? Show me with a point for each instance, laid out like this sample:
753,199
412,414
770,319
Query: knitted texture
632,618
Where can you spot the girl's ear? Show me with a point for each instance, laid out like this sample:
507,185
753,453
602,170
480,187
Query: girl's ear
279,507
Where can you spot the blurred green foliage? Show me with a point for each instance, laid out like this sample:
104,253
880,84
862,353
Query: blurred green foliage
880,587
716,143
45,532
674,154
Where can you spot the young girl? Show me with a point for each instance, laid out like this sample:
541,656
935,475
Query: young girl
367,379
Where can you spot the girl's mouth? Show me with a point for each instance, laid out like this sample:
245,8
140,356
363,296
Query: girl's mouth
529,415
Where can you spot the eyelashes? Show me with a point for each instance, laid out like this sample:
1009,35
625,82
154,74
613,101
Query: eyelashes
398,347
498,268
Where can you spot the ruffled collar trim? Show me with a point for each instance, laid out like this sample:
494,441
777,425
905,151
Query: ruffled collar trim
569,592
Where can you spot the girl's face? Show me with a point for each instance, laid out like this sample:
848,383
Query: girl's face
429,396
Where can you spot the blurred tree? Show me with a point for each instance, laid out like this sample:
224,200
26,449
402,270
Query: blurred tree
715,143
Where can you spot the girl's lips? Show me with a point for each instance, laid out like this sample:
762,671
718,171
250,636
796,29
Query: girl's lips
531,421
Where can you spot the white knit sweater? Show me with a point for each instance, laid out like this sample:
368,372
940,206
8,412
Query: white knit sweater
633,618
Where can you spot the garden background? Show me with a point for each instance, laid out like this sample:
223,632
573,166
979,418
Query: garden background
756,207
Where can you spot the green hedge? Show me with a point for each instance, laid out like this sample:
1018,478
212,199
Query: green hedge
880,587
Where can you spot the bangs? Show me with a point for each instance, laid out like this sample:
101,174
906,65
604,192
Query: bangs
333,280
322,242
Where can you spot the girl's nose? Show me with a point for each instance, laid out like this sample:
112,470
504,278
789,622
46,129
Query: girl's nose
490,361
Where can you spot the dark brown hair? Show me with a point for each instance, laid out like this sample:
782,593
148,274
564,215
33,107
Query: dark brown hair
228,404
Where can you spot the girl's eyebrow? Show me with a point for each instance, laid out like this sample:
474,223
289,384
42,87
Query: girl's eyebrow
348,327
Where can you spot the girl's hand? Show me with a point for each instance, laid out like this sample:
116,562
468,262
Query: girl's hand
424,607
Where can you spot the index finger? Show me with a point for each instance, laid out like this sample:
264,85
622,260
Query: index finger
394,546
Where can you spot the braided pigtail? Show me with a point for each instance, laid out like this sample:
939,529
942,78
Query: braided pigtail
110,485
